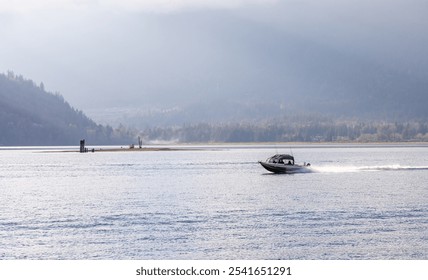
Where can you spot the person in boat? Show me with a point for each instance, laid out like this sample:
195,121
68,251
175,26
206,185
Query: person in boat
289,162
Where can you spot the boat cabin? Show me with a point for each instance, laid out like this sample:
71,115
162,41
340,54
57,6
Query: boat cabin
281,159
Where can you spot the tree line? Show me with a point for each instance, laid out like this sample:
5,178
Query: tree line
292,131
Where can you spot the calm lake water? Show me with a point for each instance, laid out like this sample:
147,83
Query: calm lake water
360,202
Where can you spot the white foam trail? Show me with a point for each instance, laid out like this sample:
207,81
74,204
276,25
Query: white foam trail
347,169
334,169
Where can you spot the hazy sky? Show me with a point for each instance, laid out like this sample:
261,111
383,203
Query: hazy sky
130,52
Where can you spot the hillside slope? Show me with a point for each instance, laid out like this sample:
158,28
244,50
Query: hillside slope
31,116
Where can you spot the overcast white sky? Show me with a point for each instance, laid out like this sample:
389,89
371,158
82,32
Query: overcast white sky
157,6
110,50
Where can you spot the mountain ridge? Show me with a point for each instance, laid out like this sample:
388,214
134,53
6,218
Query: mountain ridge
31,116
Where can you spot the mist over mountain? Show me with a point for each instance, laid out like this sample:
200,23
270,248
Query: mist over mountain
217,66
31,116
146,64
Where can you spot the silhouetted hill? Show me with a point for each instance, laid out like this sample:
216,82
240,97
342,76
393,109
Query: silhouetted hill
31,116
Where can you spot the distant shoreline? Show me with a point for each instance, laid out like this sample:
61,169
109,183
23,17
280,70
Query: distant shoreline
261,145
144,149
214,146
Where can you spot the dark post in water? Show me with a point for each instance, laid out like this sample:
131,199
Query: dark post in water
140,142
82,146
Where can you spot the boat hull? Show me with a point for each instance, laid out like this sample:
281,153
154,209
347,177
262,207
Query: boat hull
284,168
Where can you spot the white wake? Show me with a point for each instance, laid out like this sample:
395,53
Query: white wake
347,169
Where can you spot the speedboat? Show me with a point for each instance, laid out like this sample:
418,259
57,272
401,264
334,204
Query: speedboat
283,163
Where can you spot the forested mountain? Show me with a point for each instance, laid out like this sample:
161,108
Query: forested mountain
31,116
